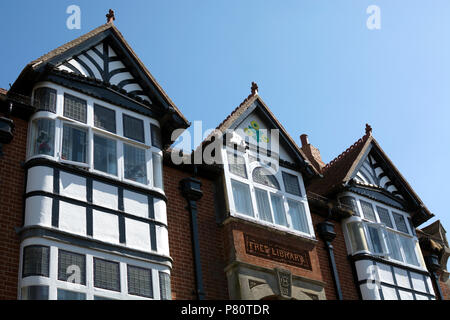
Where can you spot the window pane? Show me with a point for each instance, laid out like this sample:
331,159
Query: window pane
411,225
133,128
408,246
263,176
262,200
135,164
242,198
376,239
45,99
75,108
383,214
236,164
104,118
357,237
278,210
105,155
71,267
106,274
35,293
140,282
36,261
291,184
156,136
157,171
351,203
43,137
70,295
164,286
367,210
298,216
74,144
400,222
394,247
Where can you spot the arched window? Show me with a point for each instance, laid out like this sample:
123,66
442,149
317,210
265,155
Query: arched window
264,177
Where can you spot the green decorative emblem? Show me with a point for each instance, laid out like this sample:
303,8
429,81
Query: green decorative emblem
254,131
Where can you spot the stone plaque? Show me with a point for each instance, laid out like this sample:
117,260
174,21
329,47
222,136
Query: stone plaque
284,279
277,252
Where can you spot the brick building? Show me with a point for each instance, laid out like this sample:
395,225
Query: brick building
94,205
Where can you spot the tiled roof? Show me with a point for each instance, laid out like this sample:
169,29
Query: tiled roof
336,172
60,50
236,113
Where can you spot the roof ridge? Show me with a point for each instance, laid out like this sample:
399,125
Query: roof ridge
71,43
344,154
250,96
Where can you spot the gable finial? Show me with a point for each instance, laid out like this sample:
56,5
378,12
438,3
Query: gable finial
254,88
110,17
368,129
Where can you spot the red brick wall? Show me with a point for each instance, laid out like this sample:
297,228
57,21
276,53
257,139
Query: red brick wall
11,209
344,268
445,287
180,242
235,234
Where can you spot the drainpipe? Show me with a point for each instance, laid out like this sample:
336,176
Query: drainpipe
327,234
191,190
432,262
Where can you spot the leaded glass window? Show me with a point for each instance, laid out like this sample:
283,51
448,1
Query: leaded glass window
71,267
140,282
133,128
36,260
45,99
104,118
264,177
106,274
164,286
400,222
75,108
291,184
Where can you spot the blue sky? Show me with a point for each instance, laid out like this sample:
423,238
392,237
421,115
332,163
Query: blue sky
318,67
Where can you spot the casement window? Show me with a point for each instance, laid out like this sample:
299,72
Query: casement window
106,274
164,286
99,137
133,128
36,261
43,137
78,275
45,99
140,282
104,118
242,198
74,144
259,193
71,267
382,231
105,154
75,108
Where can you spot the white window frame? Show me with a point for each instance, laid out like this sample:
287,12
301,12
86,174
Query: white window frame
411,235
89,289
60,119
252,185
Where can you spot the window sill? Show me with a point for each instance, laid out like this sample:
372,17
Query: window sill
360,255
310,240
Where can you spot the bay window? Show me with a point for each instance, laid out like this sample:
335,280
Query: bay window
91,134
271,198
105,154
43,137
381,231
135,164
74,144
